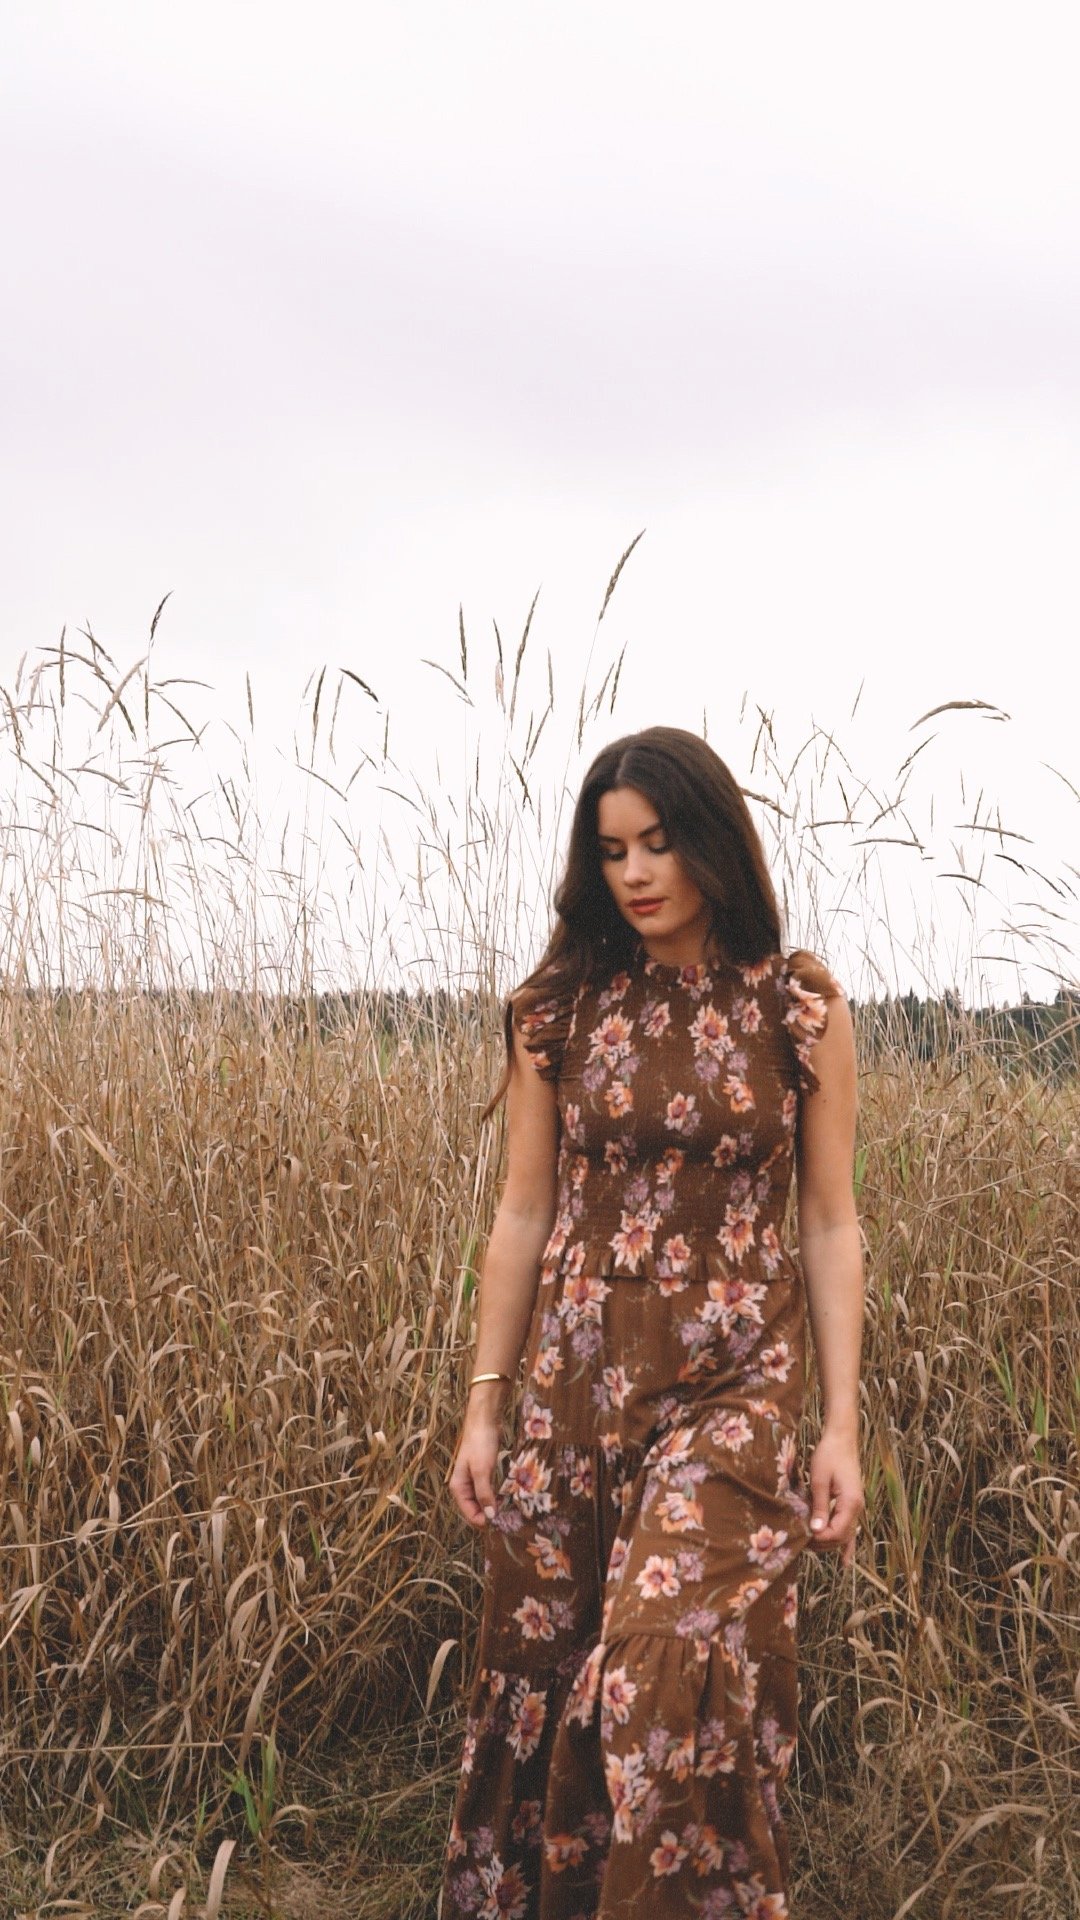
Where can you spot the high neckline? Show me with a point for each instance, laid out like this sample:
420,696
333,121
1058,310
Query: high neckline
696,973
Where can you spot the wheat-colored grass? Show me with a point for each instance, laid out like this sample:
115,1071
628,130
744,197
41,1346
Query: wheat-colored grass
240,1235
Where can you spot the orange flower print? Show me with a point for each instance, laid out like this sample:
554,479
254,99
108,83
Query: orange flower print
677,1513
710,1852
536,1422
670,1453
572,1120
746,1593
680,1760
535,1618
791,1605
682,1114
710,1034
658,1578
617,1694
731,1299
615,1156
617,1383
757,973
578,1169
610,1041
527,1482
584,1692
668,1856
655,1020
669,1165
777,1361
789,1108
726,1151
564,1850
616,989
619,1099
717,1750
677,1253
548,1363
552,1561
627,1784
733,1432
785,1463
530,1712
772,1253
756,1904
582,1296
634,1238
580,1476
739,1093
737,1233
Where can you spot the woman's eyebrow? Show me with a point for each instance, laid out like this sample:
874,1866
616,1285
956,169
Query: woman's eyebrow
639,836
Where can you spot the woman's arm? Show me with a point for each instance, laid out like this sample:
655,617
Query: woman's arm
830,1251
509,1275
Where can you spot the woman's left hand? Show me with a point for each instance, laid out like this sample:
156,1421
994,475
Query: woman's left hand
836,1476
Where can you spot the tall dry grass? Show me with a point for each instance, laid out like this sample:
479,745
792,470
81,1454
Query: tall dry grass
240,1242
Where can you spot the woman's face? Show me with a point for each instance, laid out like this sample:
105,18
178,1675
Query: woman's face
641,869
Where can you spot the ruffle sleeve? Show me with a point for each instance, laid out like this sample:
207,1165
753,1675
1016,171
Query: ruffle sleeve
543,1017
806,987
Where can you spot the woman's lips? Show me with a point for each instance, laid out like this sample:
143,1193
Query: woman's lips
645,906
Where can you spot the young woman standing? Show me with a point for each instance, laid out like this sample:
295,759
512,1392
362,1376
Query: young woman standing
633,1712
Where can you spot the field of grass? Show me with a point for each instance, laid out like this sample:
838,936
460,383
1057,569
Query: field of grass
240,1249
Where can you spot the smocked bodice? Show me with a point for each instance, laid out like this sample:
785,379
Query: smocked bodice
679,1094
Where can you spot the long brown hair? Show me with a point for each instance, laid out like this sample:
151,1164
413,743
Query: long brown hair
707,823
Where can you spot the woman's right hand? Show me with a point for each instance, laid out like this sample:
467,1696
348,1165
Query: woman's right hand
472,1473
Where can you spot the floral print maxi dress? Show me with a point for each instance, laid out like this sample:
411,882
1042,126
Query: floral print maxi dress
634,1707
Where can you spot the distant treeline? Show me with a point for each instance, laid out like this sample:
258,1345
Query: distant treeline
1043,1036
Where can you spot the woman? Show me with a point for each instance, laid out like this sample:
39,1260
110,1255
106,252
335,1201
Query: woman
634,1706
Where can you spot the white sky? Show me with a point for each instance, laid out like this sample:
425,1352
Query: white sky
327,320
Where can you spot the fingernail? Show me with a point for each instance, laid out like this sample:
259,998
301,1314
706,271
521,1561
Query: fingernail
489,1512
817,1524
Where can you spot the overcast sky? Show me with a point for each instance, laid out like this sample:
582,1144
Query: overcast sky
327,320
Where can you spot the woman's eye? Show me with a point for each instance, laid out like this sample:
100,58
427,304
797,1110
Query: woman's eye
609,853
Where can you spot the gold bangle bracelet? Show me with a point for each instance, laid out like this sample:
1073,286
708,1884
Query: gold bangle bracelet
489,1376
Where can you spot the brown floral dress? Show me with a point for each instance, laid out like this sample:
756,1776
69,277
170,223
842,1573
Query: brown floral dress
634,1706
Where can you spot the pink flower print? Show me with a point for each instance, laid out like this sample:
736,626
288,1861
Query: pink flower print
562,1850
709,1856
789,1108
755,974
658,1578
619,1099
767,1408
557,1239
523,1734
609,1042
737,1233
536,1422
579,1169
677,1253
585,1690
673,1451
572,1121
615,1156
726,1151
717,1751
668,1856
575,1260
655,1019
611,1445
617,1382
677,1513
682,1115
528,1822
617,1559
582,1296
680,1761
580,1476
552,1560
777,1360
710,1034
506,1890
748,1015
731,1299
527,1482
634,1238
733,1432
535,1618
772,1252
617,1694
740,1094
791,1606
785,1462
766,1543
627,1785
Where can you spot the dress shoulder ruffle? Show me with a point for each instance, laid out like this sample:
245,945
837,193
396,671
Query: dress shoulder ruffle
806,987
544,1018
